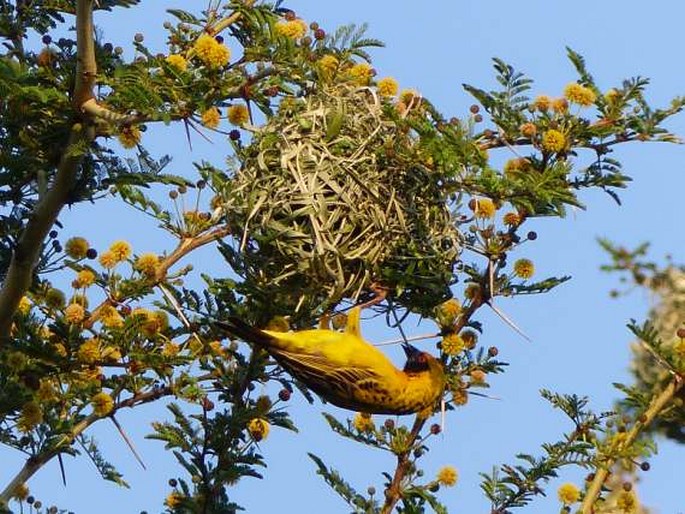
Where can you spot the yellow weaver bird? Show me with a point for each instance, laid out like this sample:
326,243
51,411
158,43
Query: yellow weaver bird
347,371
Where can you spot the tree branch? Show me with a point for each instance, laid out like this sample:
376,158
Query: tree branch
655,407
26,253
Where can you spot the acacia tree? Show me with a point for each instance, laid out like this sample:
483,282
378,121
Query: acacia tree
339,190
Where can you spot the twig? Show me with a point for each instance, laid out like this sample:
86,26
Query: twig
187,245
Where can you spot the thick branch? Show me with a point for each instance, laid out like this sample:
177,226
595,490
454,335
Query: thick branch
655,407
27,251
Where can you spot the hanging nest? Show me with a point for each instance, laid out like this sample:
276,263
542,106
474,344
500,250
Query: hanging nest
335,195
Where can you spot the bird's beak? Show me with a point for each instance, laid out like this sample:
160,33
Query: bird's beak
409,350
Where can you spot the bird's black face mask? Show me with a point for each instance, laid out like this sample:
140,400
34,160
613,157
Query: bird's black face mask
416,359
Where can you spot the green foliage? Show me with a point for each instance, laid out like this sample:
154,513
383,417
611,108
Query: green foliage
333,193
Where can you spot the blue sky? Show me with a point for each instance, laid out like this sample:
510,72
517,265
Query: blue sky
580,343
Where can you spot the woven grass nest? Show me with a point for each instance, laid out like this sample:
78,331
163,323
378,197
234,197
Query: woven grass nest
332,198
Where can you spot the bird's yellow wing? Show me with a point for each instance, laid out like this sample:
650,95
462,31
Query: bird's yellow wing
345,386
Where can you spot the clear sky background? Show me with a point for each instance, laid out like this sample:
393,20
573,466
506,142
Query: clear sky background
580,343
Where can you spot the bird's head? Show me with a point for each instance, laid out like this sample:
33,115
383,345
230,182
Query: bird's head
418,361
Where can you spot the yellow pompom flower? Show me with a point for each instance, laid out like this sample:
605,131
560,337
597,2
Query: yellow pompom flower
511,219
85,278
560,105
177,61
102,403
513,167
155,323
24,306
31,415
121,250
76,247
110,317
327,66
528,129
89,351
258,429
524,268
211,118
211,52
553,141
170,349
55,298
447,312
174,499
129,136
74,313
147,264
360,73
568,493
46,391
238,114
578,94
452,344
627,502
612,95
447,476
294,29
363,422
387,86
483,208
542,103
478,376
107,260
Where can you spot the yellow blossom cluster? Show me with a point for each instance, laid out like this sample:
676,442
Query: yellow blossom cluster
327,66
360,73
85,278
524,268
89,351
578,94
238,114
553,141
483,208
452,344
31,415
76,247
568,493
511,219
109,317
147,264
102,403
212,53
447,476
294,29
24,306
387,86
211,118
258,429
363,422
129,136
542,103
74,313
177,61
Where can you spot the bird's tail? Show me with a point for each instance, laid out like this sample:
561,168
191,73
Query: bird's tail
237,327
